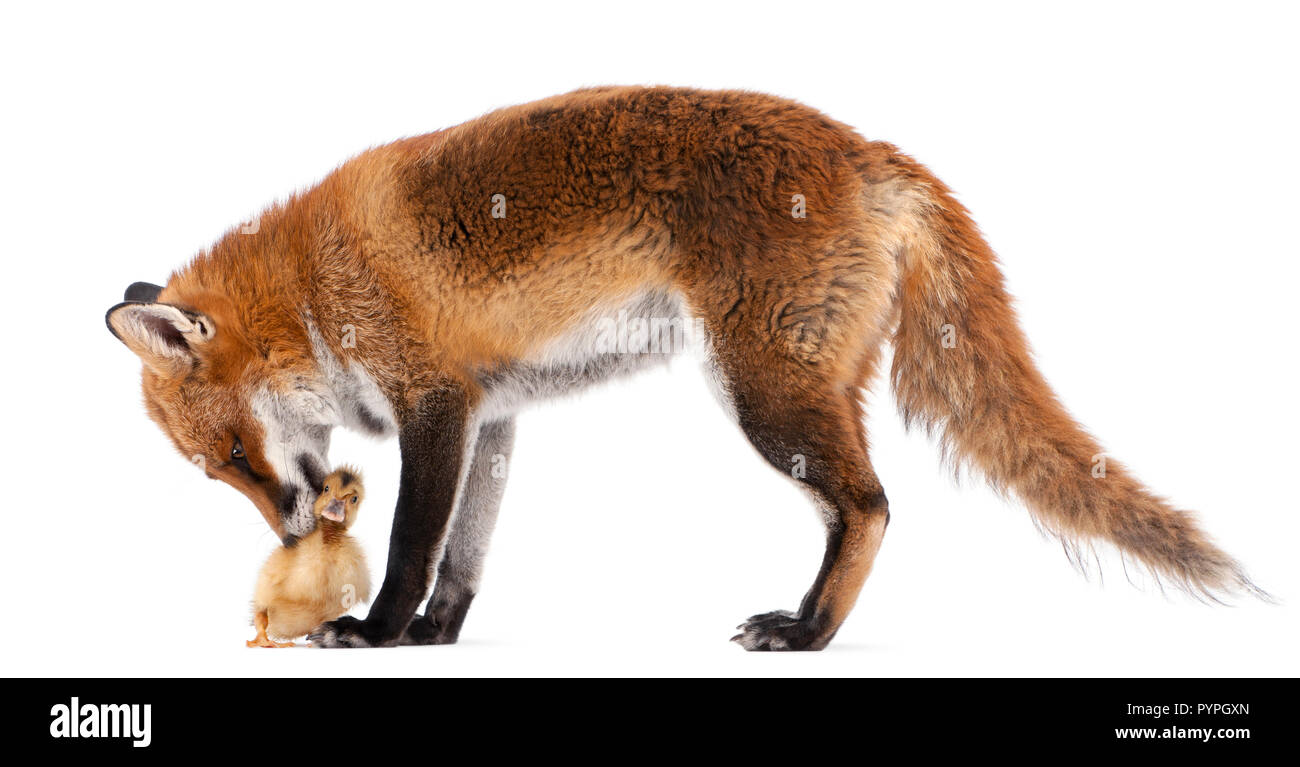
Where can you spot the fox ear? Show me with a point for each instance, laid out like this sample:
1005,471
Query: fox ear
166,337
142,291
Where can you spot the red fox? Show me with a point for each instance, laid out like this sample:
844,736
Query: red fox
431,287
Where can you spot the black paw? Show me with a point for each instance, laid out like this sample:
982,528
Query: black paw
425,631
348,632
780,631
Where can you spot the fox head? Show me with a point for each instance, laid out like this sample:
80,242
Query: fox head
246,413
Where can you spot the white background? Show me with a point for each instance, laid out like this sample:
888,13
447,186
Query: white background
1135,166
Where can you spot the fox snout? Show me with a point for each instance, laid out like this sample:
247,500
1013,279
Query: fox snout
296,515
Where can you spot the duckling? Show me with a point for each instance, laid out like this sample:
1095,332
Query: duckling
319,578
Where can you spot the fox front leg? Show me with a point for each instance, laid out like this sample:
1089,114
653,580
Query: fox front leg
432,438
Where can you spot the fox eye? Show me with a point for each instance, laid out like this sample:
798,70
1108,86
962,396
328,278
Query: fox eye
354,499
237,455
327,487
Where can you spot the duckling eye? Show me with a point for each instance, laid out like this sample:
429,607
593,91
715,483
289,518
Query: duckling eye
327,487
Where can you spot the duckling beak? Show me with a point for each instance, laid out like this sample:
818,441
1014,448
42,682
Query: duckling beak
334,510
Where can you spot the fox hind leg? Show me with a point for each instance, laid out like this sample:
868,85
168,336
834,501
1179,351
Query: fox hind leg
821,445
803,415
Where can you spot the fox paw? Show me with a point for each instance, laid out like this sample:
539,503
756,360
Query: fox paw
778,631
425,631
347,632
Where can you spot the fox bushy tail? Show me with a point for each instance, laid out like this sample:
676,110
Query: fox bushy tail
962,368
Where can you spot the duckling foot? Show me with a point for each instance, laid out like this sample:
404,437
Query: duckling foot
262,640
261,622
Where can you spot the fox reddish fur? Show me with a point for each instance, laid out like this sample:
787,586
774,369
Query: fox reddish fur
689,197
